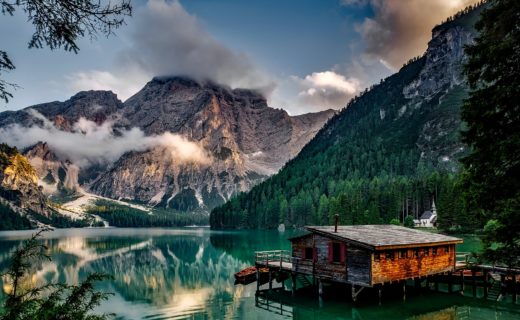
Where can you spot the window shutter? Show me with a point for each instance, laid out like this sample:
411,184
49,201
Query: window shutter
315,254
342,253
330,251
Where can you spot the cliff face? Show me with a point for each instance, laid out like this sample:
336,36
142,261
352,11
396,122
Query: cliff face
19,182
243,141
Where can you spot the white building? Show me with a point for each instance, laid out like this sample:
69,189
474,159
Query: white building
428,219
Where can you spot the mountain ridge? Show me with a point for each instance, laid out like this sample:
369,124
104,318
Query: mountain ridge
244,139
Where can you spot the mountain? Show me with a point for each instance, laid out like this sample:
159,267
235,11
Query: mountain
183,145
387,155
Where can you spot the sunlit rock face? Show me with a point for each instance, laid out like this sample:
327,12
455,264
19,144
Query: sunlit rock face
19,183
240,138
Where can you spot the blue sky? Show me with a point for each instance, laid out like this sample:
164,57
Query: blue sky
305,55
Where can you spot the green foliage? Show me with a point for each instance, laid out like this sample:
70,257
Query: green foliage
50,301
12,220
59,221
492,112
408,222
119,215
395,222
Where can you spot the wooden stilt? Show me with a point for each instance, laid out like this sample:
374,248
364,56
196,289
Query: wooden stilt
320,288
473,283
513,278
404,290
450,282
379,293
293,284
503,286
486,284
462,282
270,280
257,279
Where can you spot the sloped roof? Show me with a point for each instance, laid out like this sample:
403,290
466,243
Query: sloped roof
426,215
378,237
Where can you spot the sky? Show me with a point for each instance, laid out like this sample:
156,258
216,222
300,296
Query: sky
303,55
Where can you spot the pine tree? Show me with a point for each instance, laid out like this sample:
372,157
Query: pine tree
492,113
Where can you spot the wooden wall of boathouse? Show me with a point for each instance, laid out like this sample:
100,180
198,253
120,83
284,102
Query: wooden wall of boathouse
353,267
401,264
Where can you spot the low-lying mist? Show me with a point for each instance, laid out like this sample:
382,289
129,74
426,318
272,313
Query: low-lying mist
89,143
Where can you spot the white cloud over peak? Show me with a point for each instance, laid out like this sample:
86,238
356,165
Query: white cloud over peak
167,40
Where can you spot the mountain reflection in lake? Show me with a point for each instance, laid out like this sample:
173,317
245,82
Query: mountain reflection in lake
188,273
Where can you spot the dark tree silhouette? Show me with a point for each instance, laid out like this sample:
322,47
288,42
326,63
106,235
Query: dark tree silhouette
492,113
60,23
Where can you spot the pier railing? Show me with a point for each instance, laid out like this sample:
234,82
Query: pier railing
273,257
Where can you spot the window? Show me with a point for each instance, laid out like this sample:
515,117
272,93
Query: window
389,255
447,249
403,254
426,252
377,256
336,252
434,251
416,253
308,253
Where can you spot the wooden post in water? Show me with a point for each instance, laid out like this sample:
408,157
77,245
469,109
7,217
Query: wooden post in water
270,280
404,290
320,288
462,282
379,293
257,279
486,284
293,284
474,282
513,278
450,282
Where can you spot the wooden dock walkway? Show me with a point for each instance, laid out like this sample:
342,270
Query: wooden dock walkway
278,259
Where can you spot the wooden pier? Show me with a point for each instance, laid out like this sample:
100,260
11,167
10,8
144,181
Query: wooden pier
495,281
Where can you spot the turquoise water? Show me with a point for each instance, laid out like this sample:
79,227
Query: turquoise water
188,274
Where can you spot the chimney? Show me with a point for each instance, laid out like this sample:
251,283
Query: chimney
336,224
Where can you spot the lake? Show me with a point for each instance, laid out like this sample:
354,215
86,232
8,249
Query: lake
188,274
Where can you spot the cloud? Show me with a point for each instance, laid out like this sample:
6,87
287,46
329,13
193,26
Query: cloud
400,30
167,40
327,89
89,143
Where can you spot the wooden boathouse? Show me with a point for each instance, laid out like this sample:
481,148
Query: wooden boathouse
367,255
363,256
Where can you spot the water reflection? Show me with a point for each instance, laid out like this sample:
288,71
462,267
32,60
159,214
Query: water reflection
188,273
